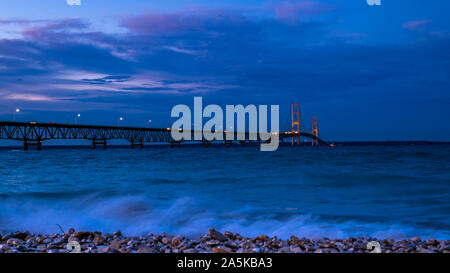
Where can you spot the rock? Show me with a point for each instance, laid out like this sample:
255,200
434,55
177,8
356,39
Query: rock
177,240
58,241
246,245
71,238
340,245
156,238
166,240
116,244
240,250
217,235
262,238
21,235
99,240
4,247
257,250
40,239
221,249
422,250
284,250
331,250
14,242
69,232
108,249
117,233
5,236
296,250
82,234
213,242
144,250
231,244
42,246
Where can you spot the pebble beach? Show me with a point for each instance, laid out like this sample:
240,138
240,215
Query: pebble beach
212,242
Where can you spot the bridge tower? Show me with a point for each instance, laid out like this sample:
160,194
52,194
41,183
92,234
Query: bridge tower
315,131
295,123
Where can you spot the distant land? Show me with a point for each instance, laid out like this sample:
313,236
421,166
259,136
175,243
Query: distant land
217,144
388,143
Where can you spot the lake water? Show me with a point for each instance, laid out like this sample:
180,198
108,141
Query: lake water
335,192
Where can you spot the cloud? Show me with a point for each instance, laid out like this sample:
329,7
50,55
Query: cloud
292,12
271,55
182,50
206,21
108,79
418,25
28,97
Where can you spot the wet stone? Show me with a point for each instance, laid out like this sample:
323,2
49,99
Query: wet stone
214,241
217,235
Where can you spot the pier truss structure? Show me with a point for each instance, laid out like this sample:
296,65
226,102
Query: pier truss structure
33,134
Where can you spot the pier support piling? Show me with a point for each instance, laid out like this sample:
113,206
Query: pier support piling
101,142
206,144
172,144
134,144
27,143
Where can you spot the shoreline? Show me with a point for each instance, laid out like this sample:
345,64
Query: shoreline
213,242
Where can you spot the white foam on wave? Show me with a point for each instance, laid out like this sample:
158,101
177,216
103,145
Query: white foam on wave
137,215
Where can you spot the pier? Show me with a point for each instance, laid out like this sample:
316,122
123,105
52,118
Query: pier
35,133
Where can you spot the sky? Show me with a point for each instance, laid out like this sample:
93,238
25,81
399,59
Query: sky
367,72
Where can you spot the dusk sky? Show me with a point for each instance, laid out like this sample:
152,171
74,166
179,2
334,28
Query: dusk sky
367,72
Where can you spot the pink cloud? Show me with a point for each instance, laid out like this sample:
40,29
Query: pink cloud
214,20
418,25
291,11
29,97
183,21
55,26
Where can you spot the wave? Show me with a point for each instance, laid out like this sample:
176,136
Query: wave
139,215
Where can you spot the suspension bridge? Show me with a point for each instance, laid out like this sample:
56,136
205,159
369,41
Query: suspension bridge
34,133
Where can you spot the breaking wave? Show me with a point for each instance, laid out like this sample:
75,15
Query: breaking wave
139,215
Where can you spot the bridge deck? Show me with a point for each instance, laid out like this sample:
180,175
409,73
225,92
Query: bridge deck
35,133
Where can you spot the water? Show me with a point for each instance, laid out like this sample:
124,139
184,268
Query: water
383,191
